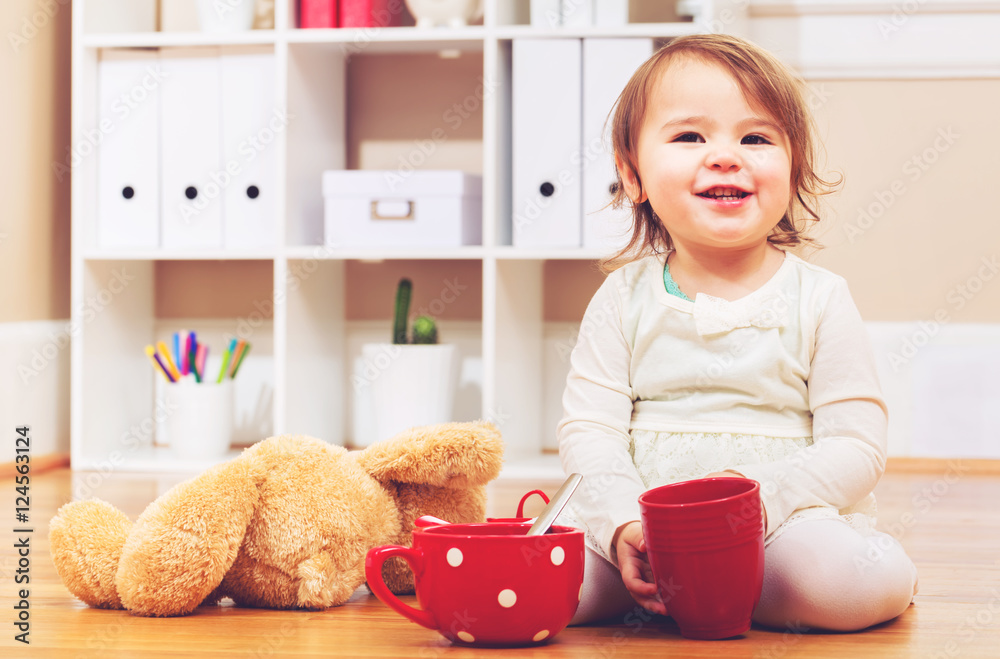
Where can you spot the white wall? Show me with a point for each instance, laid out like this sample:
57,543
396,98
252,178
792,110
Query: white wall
34,358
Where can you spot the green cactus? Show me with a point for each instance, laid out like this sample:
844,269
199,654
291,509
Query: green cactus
425,330
424,327
403,293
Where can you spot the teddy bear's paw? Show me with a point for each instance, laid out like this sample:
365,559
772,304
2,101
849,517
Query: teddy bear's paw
323,584
185,542
86,540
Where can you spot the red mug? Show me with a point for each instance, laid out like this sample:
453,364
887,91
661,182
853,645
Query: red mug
488,584
705,544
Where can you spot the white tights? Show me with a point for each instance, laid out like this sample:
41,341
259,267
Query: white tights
818,574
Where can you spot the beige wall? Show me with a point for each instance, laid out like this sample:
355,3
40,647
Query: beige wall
399,117
449,290
926,152
34,114
937,227
213,289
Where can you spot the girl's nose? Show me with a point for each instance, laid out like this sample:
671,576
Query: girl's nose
724,158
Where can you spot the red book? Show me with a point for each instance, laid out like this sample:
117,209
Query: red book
371,13
317,13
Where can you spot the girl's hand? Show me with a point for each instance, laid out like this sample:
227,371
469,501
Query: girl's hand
636,573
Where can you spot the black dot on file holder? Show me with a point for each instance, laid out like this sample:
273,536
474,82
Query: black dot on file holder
191,192
128,192
253,192
547,189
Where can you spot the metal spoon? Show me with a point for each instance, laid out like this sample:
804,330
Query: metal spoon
559,501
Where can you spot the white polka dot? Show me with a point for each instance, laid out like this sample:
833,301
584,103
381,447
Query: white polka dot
540,635
507,598
467,637
557,556
454,557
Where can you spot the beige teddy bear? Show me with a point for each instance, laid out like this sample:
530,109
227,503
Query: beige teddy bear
287,524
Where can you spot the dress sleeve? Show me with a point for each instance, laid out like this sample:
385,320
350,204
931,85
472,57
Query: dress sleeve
848,453
594,431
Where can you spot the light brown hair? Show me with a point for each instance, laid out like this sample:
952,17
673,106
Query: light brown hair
768,86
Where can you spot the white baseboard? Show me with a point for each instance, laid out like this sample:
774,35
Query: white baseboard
942,385
35,392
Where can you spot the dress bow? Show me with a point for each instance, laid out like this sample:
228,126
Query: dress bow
715,315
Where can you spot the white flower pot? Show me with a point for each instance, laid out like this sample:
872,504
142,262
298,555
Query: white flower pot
408,385
226,15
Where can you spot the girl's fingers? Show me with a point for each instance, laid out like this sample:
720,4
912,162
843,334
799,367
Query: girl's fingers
639,568
642,591
654,606
633,569
650,602
638,576
635,583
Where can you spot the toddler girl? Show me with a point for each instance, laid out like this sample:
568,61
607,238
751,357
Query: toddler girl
711,351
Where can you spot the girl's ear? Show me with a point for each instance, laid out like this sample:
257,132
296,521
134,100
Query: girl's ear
633,189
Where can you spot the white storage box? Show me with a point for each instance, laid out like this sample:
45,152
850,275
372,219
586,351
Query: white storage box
391,209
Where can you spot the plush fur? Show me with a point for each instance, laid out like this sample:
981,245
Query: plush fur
285,525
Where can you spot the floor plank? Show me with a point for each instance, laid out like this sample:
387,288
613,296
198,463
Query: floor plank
948,519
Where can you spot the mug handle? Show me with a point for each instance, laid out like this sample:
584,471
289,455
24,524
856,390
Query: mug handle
520,505
373,575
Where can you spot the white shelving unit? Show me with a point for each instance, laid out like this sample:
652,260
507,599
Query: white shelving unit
113,292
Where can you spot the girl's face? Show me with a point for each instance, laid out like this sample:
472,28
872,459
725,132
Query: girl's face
717,173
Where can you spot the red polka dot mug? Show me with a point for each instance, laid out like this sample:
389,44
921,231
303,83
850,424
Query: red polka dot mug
488,584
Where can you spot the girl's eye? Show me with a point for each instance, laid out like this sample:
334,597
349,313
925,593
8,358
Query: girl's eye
755,139
689,137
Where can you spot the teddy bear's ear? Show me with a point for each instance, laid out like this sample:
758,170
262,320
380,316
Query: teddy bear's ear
446,455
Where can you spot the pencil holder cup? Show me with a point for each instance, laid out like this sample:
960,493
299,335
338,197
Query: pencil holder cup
199,418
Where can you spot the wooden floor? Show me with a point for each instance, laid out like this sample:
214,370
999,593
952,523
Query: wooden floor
947,518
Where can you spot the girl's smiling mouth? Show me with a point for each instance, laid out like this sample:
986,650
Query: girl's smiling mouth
725,196
724,193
